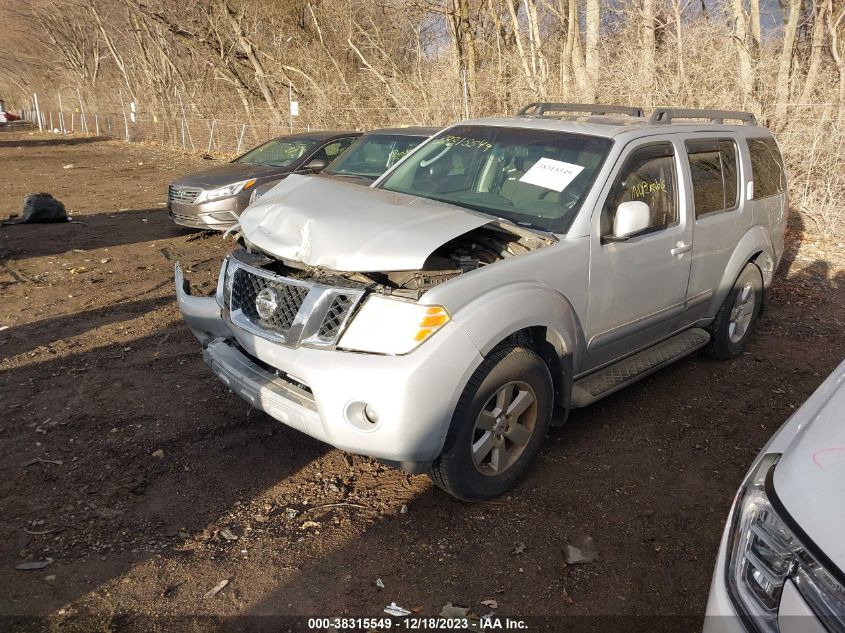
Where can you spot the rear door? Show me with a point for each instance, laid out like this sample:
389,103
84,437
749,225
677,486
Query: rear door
638,287
718,180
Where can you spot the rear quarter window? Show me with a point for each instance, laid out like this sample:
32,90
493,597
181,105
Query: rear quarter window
767,169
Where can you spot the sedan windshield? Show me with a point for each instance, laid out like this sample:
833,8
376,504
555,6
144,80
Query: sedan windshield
537,178
279,152
373,155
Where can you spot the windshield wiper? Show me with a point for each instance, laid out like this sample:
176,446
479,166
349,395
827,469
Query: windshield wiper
495,214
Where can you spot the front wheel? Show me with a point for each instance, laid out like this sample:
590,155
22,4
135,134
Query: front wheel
498,427
735,321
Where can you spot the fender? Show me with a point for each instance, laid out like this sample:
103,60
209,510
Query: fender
755,245
495,315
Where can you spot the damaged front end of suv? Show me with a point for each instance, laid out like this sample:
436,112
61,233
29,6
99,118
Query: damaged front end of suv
317,310
377,319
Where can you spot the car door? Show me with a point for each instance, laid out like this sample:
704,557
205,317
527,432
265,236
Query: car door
720,211
638,286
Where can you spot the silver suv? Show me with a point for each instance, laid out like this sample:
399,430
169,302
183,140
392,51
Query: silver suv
505,267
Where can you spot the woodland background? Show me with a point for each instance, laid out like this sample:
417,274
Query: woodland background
212,67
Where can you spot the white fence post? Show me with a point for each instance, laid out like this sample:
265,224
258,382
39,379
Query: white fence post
211,135
125,120
62,115
38,113
241,139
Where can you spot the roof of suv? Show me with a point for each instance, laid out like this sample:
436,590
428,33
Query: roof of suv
611,121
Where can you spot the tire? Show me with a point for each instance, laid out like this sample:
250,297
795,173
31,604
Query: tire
736,319
517,378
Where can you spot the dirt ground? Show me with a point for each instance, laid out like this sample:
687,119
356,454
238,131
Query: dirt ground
122,458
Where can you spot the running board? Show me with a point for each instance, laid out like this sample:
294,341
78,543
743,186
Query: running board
612,378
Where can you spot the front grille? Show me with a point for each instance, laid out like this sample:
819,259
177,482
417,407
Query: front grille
183,194
336,315
289,311
188,220
287,298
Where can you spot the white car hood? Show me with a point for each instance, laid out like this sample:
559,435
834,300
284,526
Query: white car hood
809,479
347,227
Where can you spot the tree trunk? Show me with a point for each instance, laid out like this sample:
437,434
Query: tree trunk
815,53
756,34
591,48
740,37
464,33
565,51
834,21
573,43
782,84
647,42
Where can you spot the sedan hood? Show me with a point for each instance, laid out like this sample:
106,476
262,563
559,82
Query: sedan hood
343,226
809,476
221,175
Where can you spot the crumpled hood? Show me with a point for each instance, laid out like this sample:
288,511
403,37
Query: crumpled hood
810,476
221,175
344,226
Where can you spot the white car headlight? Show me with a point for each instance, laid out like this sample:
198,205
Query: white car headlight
764,552
391,326
225,192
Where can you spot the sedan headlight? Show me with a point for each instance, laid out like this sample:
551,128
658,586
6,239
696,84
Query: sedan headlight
225,192
390,326
765,552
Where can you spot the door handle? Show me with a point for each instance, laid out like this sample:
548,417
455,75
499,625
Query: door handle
681,248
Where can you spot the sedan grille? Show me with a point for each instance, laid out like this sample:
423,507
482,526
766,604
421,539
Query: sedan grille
183,194
289,311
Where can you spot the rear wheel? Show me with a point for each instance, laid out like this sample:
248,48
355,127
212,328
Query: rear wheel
735,321
498,427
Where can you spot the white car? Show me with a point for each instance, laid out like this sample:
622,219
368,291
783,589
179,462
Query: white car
781,564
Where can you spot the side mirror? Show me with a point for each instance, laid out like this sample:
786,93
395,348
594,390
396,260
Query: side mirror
315,165
631,217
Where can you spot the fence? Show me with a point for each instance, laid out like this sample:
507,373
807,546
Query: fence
198,134
226,137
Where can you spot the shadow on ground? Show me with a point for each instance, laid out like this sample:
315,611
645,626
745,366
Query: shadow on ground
88,232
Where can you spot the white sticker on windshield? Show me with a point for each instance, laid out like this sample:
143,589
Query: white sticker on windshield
551,174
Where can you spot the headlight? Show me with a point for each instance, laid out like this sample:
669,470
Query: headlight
390,326
224,284
225,192
764,553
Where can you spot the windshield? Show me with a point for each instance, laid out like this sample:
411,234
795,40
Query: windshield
373,155
537,178
279,152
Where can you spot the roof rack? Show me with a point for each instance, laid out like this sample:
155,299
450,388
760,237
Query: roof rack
666,115
541,108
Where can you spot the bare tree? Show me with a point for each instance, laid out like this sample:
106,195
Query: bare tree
741,41
792,11
835,24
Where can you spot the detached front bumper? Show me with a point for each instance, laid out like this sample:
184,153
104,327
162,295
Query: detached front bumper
323,392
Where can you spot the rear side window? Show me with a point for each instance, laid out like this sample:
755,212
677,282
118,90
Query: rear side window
713,166
766,167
